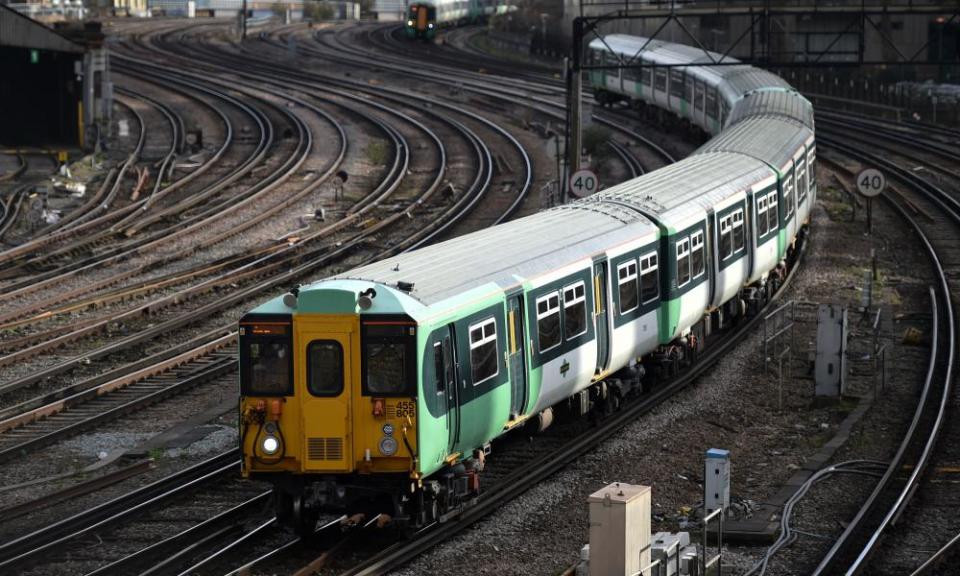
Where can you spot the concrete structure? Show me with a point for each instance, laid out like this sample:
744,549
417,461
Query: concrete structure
42,92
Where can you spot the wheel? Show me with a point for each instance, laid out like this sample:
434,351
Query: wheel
304,519
283,506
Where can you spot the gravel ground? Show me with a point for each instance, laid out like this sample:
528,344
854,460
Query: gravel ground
733,406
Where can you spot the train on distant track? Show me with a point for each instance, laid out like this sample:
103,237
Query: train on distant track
383,387
426,17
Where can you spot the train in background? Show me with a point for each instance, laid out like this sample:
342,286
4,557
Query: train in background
382,388
426,17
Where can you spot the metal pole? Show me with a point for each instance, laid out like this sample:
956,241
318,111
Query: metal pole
575,99
556,142
244,34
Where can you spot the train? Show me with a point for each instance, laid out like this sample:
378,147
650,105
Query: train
382,388
426,17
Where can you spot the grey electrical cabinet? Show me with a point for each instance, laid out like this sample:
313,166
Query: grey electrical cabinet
716,480
831,366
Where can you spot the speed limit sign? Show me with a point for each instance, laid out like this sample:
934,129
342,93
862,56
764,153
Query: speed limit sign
871,182
583,183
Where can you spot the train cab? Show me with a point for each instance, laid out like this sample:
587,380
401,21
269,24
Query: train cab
328,398
421,21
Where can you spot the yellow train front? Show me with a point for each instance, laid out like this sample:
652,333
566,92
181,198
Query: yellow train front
422,21
327,402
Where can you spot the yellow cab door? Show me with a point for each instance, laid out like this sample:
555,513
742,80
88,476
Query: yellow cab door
422,18
329,362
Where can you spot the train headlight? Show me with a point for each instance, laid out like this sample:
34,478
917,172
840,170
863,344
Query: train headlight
430,26
270,445
409,22
388,446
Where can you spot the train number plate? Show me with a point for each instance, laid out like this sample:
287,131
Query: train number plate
405,409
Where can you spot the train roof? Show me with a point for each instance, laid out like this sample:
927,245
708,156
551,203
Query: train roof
510,253
773,140
773,103
683,191
744,79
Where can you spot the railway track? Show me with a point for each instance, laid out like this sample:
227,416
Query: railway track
908,500
81,410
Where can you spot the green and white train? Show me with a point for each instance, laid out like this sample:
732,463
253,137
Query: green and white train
385,385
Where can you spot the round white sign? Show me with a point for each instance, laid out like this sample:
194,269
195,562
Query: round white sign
584,183
871,182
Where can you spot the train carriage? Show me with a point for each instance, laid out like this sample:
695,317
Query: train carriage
382,388
784,145
787,104
688,200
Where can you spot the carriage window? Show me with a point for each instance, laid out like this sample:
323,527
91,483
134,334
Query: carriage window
726,237
811,158
574,311
761,216
325,368
676,82
649,279
773,220
738,236
698,98
267,366
683,262
788,197
646,75
386,366
438,372
483,351
689,89
712,102
696,251
627,281
660,77
548,321
802,181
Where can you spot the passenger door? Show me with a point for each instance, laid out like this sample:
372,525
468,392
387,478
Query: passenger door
516,354
600,314
451,378
327,361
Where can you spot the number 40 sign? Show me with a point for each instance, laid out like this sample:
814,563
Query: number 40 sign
871,182
584,183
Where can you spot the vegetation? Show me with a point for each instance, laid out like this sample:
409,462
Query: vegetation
377,152
317,11
279,9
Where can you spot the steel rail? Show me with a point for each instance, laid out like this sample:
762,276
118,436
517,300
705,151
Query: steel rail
844,545
505,94
267,69
56,422
19,550
99,223
262,215
632,164
11,209
402,96
173,548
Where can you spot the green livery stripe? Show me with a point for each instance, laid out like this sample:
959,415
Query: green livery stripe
669,317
